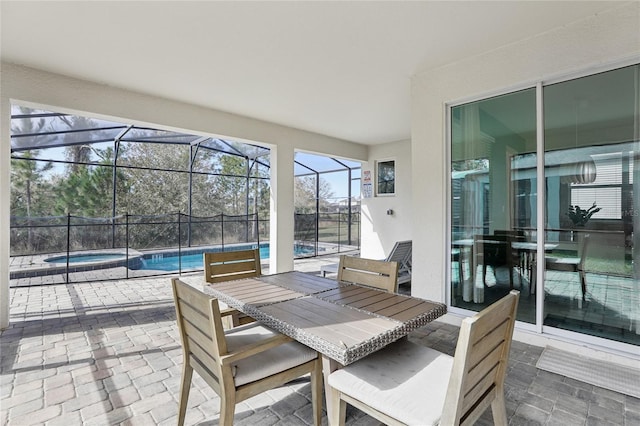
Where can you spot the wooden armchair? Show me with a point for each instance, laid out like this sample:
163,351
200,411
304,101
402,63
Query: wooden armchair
237,363
232,265
421,386
374,273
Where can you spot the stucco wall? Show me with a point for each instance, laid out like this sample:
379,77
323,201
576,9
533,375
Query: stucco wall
380,231
587,45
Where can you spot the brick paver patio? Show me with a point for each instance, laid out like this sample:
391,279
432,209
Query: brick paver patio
108,353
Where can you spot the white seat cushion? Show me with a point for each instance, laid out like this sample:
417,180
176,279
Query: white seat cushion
405,381
268,362
563,264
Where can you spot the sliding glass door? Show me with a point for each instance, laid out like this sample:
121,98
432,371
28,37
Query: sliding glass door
591,156
493,199
592,174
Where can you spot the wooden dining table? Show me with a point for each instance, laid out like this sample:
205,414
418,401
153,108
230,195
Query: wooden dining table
344,322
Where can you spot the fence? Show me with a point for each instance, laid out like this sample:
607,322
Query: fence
130,246
328,231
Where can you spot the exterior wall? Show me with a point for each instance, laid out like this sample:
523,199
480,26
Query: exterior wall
5,179
379,230
33,87
589,45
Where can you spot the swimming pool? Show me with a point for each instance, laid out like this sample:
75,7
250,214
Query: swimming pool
190,261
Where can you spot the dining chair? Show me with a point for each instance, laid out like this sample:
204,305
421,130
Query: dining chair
521,258
401,253
572,264
410,384
457,257
232,265
373,273
237,363
495,251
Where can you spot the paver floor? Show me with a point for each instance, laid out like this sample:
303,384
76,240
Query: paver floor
108,353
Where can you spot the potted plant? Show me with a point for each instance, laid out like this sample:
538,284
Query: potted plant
580,217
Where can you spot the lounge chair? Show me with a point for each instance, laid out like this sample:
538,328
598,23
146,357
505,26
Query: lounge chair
401,253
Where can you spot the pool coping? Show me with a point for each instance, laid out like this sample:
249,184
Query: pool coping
35,265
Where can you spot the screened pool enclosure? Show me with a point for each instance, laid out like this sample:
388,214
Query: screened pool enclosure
138,195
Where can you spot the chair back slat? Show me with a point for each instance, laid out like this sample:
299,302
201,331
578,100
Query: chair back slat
486,367
480,361
196,326
374,273
483,329
206,373
482,348
198,321
203,340
231,265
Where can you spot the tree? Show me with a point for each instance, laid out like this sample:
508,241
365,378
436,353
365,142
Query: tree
29,189
304,193
78,150
88,191
27,182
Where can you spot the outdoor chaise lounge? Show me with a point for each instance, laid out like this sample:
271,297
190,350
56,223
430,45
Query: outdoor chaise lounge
401,253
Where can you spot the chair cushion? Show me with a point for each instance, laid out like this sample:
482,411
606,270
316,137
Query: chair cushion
562,263
405,381
265,363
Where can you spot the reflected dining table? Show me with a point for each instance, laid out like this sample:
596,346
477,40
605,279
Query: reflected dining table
344,322
473,291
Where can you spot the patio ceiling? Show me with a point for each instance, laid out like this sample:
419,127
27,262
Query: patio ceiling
341,69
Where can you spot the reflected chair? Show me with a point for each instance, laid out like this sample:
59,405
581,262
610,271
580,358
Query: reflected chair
232,265
572,264
495,251
237,363
373,273
410,384
521,258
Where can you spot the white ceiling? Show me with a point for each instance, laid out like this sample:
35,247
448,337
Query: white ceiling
341,69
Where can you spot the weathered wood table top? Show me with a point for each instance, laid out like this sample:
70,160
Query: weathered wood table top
344,322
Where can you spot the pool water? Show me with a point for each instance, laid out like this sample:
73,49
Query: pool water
86,258
158,262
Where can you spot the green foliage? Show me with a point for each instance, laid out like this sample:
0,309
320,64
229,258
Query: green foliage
29,189
88,190
153,184
579,216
